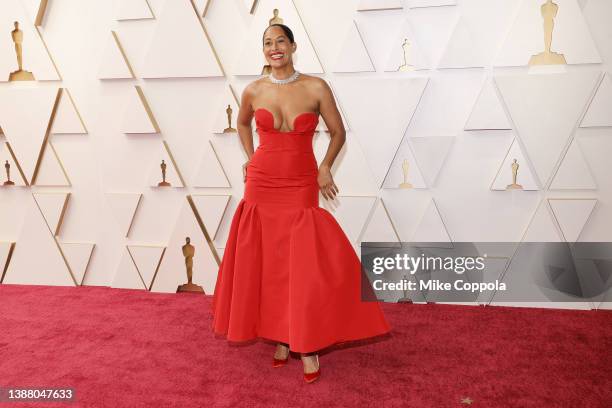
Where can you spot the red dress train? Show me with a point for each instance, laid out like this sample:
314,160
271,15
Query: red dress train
289,273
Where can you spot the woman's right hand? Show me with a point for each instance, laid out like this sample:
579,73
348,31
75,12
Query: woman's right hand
244,169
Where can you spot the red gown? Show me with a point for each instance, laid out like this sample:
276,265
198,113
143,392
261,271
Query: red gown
289,273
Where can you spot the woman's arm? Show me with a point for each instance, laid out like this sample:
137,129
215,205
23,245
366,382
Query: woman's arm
245,118
333,120
337,133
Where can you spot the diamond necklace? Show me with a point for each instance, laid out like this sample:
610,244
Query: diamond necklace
292,78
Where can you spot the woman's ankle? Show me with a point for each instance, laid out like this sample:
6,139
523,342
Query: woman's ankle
310,361
283,349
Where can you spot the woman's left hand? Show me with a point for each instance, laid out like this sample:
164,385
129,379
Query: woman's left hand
326,183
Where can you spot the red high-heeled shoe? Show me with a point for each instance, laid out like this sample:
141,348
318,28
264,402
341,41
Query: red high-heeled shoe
280,362
310,377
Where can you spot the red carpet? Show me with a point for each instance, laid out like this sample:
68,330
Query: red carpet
128,348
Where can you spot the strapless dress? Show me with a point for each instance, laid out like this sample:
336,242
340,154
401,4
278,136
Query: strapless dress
289,272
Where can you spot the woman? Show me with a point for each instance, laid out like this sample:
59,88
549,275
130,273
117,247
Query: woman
289,273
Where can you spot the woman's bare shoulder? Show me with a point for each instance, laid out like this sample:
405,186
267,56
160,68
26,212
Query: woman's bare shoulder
317,85
254,86
314,80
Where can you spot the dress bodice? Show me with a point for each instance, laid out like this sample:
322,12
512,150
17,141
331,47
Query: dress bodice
303,123
284,158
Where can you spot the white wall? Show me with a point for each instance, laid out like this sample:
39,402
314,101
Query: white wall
472,73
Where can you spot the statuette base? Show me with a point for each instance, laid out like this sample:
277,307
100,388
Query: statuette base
548,58
514,187
190,287
21,75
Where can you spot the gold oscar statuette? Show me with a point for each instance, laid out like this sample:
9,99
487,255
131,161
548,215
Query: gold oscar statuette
405,184
229,128
275,19
20,74
163,183
547,57
188,253
406,46
8,181
514,186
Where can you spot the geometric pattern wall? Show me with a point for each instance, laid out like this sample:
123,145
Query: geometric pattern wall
116,150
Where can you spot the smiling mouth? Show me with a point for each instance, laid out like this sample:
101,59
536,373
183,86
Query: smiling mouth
276,56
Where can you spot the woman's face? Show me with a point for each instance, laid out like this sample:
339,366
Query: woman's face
277,48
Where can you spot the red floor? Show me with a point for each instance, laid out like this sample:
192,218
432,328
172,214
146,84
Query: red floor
128,348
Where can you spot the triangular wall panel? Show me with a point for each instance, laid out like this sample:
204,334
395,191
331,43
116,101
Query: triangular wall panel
524,177
127,275
124,207
406,52
205,262
78,256
352,212
599,112
138,116
210,173
180,50
349,171
36,58
353,55
26,129
211,209
488,111
570,36
51,172
431,228
37,259
36,10
457,54
114,63
404,171
542,227
173,174
478,32
222,122
15,174
380,227
431,153
574,172
147,260
67,118
572,215
53,208
397,100
545,110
